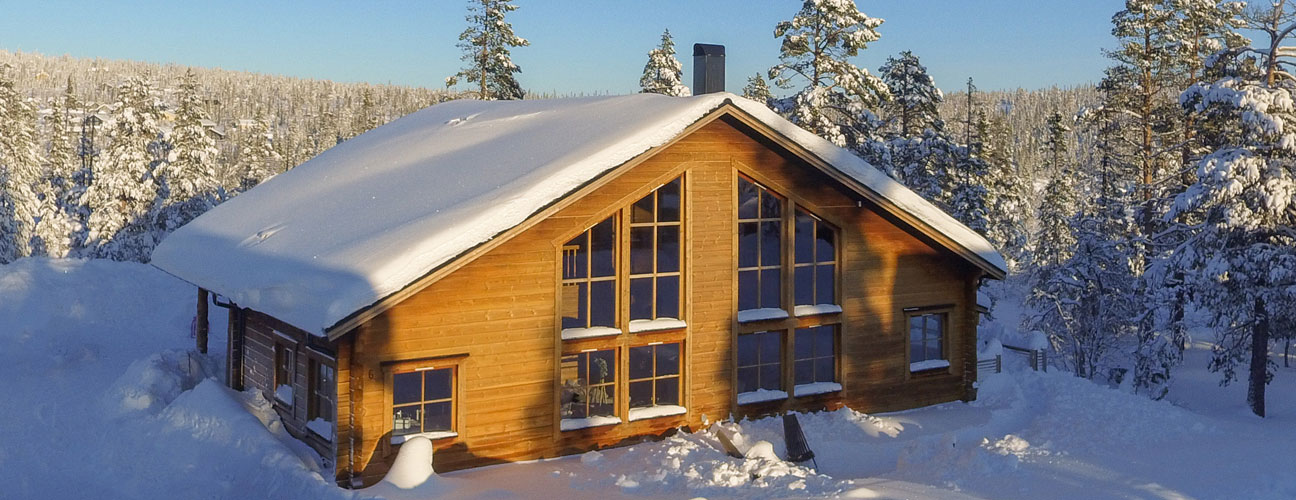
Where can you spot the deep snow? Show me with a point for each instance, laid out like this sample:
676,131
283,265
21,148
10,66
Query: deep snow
107,400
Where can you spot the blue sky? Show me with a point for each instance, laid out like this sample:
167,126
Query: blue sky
577,46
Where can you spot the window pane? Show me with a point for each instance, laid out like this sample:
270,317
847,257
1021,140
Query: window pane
748,290
771,348
668,297
771,377
748,244
804,372
935,327
825,284
668,199
641,362
824,370
804,285
668,391
747,379
934,351
575,253
771,237
771,288
641,394
642,210
602,367
406,387
804,238
747,200
436,417
574,305
668,249
916,352
602,240
771,206
804,343
747,350
668,359
602,401
824,341
405,420
641,297
641,250
825,246
602,303
436,384
574,395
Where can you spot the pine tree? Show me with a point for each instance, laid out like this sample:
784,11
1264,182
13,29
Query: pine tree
187,183
257,156
914,96
485,44
663,72
836,97
1055,240
60,215
122,191
1241,258
367,118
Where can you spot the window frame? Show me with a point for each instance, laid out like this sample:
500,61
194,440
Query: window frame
282,351
815,358
315,392
784,204
945,312
818,306
590,330
655,276
654,378
393,367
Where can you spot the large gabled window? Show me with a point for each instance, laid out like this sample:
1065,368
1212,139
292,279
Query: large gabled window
655,255
815,269
760,248
588,299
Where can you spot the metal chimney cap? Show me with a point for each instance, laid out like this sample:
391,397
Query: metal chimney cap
707,49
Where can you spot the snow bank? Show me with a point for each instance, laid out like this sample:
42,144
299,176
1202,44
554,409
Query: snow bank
413,464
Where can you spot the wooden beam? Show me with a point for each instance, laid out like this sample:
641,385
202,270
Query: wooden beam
200,328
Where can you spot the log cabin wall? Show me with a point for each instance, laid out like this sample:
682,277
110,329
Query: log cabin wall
263,335
495,320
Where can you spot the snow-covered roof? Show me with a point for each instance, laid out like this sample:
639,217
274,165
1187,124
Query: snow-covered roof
367,218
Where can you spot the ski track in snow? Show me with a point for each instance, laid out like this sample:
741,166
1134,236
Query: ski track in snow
107,399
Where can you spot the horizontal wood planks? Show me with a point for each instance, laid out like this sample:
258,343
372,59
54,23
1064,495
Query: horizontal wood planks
498,315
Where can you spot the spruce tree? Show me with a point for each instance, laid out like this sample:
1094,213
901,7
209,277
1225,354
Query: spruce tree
914,96
835,97
1240,259
757,90
187,182
257,157
1055,240
1006,203
20,206
122,191
485,45
663,72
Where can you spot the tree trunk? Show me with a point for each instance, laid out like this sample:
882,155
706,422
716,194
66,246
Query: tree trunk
1259,359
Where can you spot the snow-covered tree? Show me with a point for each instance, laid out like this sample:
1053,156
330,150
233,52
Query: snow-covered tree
485,44
663,72
835,96
187,183
1240,259
757,90
914,96
257,158
122,190
19,171
1006,203
367,117
1055,240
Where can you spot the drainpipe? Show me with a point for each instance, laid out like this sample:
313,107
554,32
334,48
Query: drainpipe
200,322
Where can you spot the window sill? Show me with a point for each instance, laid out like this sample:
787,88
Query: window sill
815,310
656,412
571,424
430,435
652,325
283,395
321,428
928,365
760,396
816,388
589,333
762,314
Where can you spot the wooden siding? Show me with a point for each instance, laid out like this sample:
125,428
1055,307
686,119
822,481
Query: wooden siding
498,315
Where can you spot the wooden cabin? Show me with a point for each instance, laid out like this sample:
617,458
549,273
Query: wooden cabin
528,279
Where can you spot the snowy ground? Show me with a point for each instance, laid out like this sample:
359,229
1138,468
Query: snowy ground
105,400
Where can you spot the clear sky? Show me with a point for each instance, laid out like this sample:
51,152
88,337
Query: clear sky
577,46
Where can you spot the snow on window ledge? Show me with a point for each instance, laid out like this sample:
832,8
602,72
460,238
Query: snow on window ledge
571,424
816,388
816,309
931,364
588,333
761,314
284,394
760,396
322,428
433,436
652,325
656,411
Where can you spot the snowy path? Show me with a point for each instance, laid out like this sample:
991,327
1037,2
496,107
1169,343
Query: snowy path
106,401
